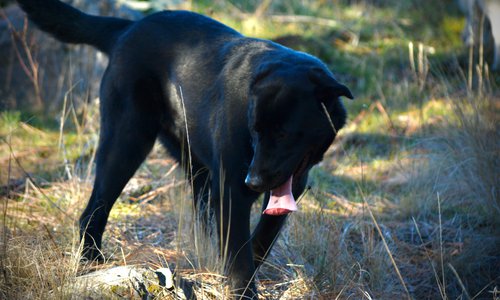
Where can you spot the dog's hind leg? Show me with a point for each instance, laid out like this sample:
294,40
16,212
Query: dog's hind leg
128,134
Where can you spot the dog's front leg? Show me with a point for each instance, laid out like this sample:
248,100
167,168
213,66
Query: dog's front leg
233,221
269,227
265,234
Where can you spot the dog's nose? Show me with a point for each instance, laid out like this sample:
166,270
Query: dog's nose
254,182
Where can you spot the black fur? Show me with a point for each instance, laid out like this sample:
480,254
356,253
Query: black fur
254,113
70,25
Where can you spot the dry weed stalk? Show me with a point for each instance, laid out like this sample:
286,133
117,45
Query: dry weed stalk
29,64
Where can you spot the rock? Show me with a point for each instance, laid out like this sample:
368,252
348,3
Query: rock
131,282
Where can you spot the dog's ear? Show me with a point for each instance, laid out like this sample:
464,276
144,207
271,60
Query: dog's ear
335,90
266,83
264,71
327,87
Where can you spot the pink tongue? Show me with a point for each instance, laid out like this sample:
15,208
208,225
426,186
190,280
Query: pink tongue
281,201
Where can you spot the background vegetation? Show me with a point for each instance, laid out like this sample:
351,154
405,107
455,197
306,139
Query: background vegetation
405,204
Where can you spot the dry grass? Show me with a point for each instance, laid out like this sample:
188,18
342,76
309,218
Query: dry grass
326,252
463,161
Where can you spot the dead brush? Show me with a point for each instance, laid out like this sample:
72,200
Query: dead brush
40,247
35,267
338,257
462,163
458,177
473,148
40,244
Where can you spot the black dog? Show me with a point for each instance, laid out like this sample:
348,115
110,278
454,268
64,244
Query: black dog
255,115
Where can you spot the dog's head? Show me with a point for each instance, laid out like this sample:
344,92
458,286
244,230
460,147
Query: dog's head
294,116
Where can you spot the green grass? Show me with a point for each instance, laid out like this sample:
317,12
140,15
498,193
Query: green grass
420,153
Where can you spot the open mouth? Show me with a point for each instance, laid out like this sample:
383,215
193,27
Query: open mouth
281,201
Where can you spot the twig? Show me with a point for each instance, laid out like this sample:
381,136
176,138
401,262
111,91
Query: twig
187,134
4,221
32,69
294,19
481,56
26,153
386,246
304,19
152,194
412,58
464,290
495,291
382,110
441,247
262,8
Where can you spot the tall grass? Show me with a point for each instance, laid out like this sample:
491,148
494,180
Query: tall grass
473,148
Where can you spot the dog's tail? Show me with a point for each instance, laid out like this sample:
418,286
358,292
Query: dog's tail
70,25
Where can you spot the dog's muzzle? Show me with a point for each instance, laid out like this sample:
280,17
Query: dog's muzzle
255,182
